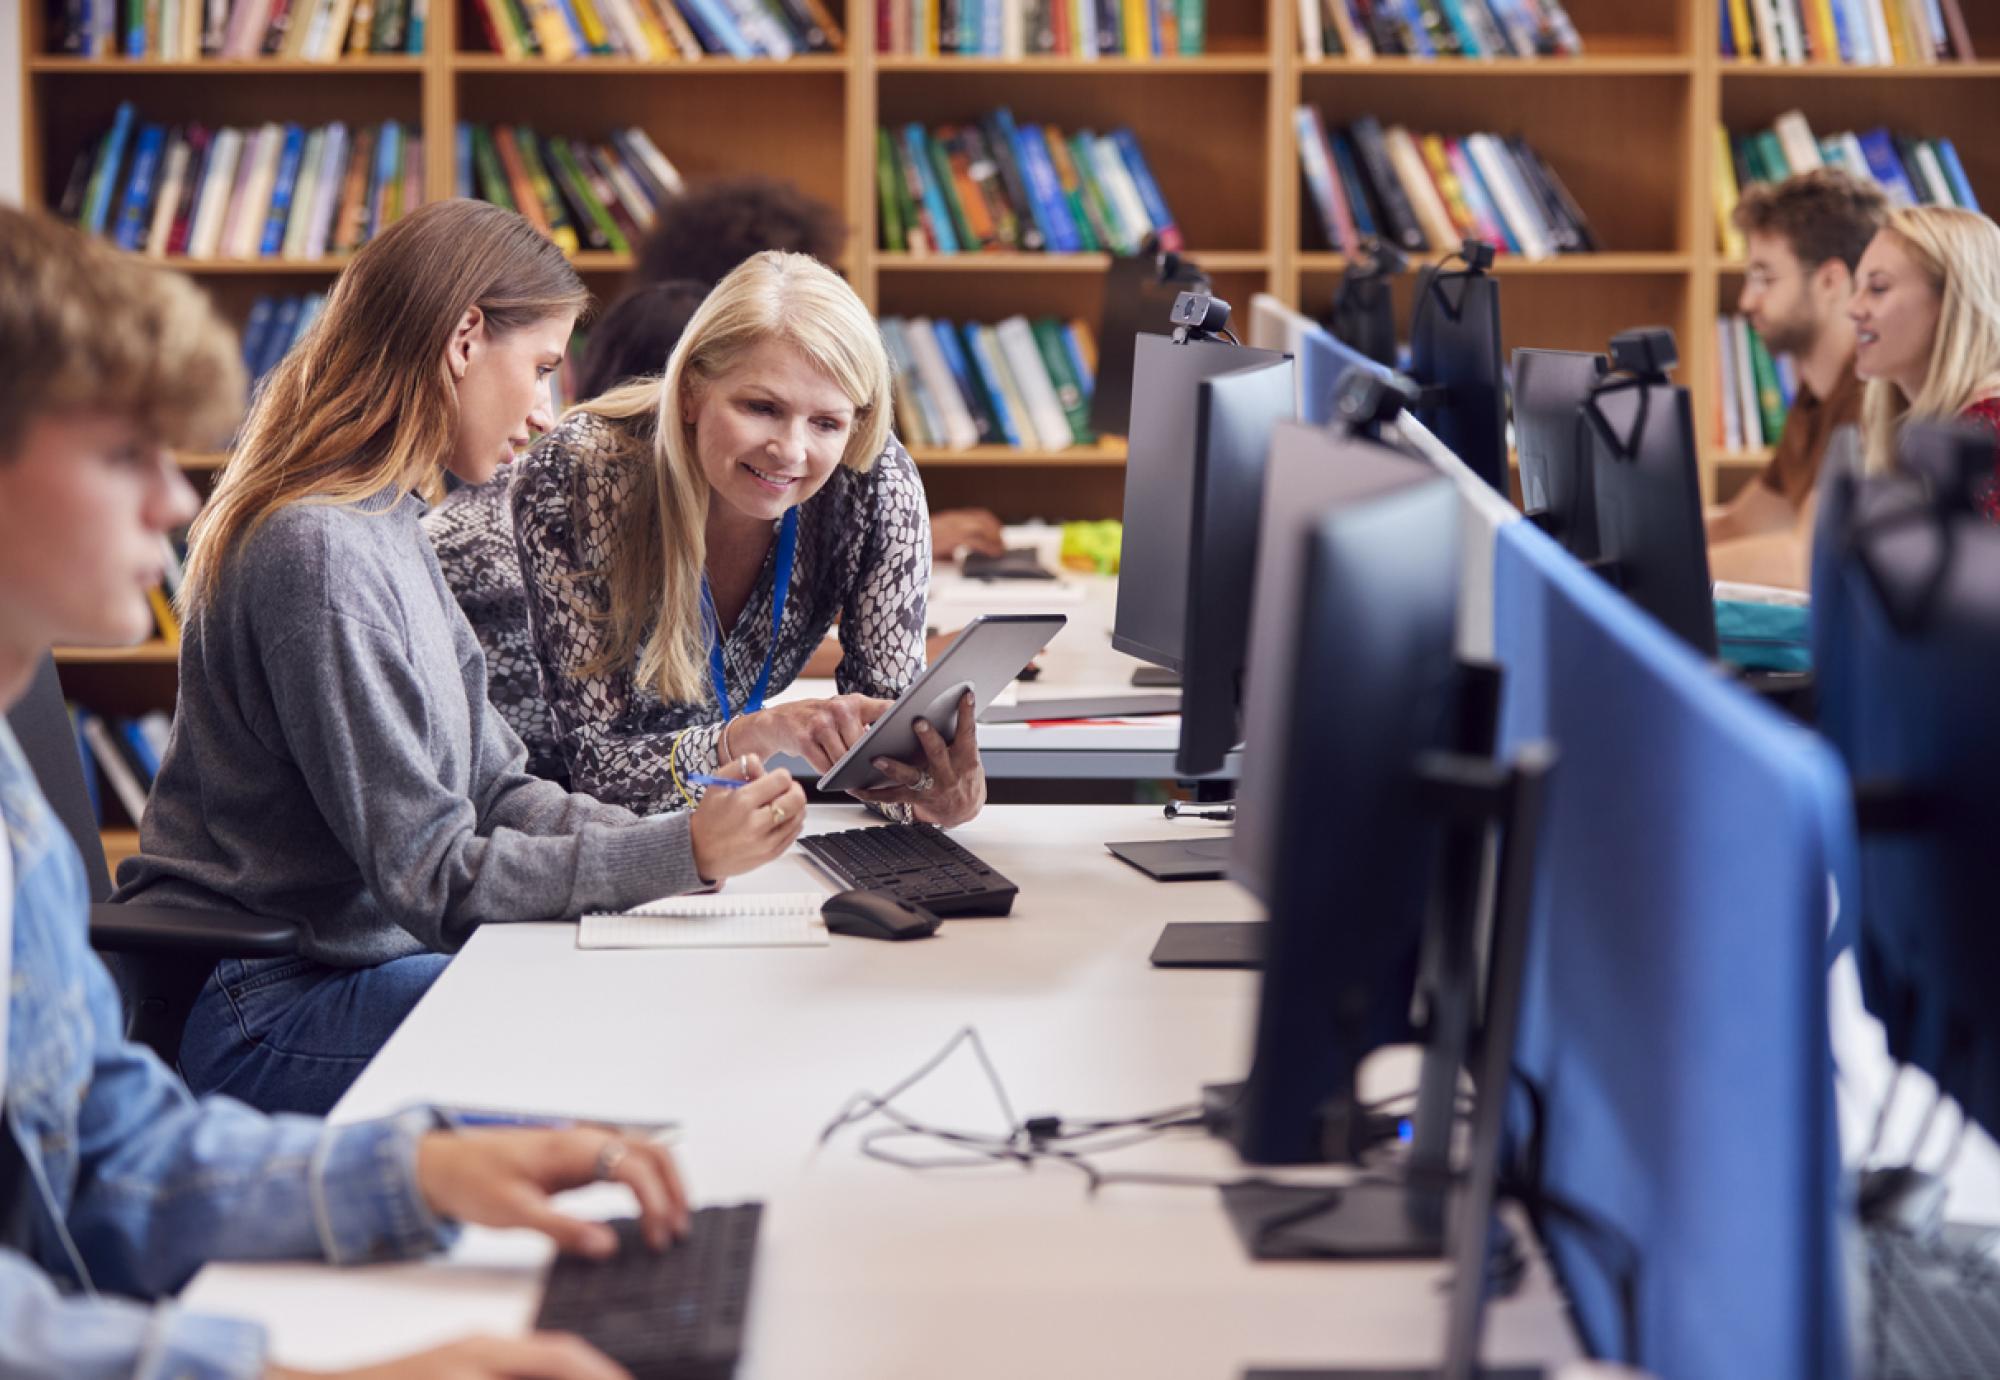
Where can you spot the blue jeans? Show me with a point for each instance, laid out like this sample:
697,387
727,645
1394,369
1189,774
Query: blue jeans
291,1035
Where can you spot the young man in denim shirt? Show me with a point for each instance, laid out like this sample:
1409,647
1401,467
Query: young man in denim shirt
115,1184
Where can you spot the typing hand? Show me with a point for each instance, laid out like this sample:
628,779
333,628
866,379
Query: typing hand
504,1178
950,787
821,731
966,529
541,1356
737,830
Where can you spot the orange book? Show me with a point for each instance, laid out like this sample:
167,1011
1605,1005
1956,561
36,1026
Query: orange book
823,17
551,29
526,200
1086,344
677,28
978,219
1892,19
1455,205
354,191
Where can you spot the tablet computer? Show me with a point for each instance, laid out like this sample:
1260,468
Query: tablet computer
984,658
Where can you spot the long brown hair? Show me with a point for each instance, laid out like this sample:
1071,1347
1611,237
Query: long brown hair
366,400
659,546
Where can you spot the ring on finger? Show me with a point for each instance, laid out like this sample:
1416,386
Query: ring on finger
924,784
609,1158
778,814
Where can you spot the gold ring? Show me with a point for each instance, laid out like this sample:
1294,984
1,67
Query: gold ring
609,1158
777,814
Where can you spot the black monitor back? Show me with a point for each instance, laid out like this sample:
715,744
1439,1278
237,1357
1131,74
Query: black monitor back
1455,347
1648,499
1550,389
1159,489
1235,417
1139,292
1336,825
1907,621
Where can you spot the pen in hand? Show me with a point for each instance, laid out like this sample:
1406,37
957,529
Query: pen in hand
702,778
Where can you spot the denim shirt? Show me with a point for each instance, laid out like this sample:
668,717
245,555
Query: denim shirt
135,1184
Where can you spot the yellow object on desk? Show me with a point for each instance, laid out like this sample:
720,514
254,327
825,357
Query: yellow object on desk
1092,546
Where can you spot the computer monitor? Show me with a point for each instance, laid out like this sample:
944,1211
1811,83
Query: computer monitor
1323,360
1550,389
1151,621
1907,622
1235,416
1647,488
1352,675
1455,354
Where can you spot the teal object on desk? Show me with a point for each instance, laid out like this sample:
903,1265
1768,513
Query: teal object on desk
1764,637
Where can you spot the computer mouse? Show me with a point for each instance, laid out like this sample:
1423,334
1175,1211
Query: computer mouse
876,915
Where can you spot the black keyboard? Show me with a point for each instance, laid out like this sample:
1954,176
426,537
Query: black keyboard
675,1314
1934,1309
915,863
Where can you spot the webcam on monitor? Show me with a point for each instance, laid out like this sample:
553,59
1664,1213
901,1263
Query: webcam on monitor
1198,316
1649,351
1365,400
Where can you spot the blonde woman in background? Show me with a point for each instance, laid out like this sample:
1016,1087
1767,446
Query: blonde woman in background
1926,315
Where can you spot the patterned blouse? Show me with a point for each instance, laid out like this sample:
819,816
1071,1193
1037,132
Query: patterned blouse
864,558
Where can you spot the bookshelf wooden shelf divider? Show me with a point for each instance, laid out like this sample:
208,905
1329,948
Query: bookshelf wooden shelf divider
1629,125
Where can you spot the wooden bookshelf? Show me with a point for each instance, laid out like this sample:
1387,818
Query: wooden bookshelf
1629,125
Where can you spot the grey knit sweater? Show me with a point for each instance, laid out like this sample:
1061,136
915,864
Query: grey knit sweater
334,760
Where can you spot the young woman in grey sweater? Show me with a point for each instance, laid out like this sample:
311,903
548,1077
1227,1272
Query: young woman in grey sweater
334,758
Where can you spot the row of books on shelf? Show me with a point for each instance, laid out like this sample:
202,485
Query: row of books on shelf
1910,171
1043,28
601,195
183,30
1364,29
1019,383
1756,386
1427,192
122,754
659,30
1856,33
993,184
272,192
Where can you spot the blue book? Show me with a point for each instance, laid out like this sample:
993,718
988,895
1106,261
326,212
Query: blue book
1935,12
1860,40
1350,180
975,348
142,750
1478,196
1880,150
461,165
1412,22
991,37
961,373
284,324
135,32
419,15
1110,28
1468,41
130,229
1031,151
721,26
1728,31
1149,190
282,187
104,177
568,13
388,148
1033,213
257,330
1086,378
90,781
917,151
1954,173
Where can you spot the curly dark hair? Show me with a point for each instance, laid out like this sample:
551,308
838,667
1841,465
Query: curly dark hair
634,338
715,226
1823,214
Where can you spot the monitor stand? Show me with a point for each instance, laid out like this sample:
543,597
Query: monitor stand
1156,678
1203,859
1211,944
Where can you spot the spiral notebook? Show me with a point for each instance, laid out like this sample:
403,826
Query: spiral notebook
746,920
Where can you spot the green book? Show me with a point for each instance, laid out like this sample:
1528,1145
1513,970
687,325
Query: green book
1103,225
491,177
1771,154
1193,16
1770,397
1072,188
1069,391
580,191
888,187
561,228
948,185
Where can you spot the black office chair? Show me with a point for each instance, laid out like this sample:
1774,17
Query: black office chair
161,955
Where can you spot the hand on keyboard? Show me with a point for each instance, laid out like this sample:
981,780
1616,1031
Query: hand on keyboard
504,1178
543,1356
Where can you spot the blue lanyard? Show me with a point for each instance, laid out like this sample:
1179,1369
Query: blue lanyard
788,542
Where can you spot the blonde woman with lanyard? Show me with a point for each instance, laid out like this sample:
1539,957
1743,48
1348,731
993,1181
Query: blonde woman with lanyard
686,543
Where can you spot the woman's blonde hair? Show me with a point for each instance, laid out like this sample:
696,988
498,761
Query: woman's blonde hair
658,548
367,399
1958,252
84,328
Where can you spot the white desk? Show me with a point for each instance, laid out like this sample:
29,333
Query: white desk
867,1270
